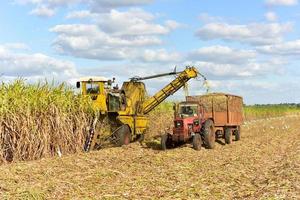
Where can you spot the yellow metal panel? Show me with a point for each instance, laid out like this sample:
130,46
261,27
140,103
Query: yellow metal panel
137,123
135,95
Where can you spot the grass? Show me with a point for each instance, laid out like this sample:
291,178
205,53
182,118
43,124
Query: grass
266,111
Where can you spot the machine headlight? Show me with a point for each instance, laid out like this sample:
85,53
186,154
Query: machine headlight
178,124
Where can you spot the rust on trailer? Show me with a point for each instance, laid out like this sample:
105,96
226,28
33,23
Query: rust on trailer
223,109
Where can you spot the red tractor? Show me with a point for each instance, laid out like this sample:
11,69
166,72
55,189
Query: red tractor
203,119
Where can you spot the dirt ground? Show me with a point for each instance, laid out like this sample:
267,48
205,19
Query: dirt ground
265,164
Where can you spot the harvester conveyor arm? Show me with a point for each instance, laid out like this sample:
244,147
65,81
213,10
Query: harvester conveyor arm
171,88
136,78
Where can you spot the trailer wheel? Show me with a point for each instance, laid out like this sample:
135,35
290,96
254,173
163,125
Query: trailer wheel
164,142
237,133
209,134
123,135
228,136
197,142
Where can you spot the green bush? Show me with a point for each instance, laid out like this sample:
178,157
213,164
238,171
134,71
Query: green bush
266,111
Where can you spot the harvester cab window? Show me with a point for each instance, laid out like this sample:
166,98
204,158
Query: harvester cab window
188,110
92,88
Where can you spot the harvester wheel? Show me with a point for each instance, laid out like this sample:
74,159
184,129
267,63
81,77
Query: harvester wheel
228,136
197,142
164,142
209,134
123,135
237,133
141,138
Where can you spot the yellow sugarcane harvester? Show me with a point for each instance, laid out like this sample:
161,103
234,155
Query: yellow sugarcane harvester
127,109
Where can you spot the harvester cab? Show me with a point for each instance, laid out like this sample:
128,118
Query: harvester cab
97,88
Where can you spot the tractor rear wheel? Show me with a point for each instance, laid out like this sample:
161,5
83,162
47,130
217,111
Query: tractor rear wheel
197,142
209,134
123,135
237,133
228,136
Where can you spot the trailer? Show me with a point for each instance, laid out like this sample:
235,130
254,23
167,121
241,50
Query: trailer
203,119
226,110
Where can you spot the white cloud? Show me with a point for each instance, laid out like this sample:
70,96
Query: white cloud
115,35
14,64
221,62
102,5
99,3
52,3
84,36
245,86
255,33
171,24
248,89
43,11
47,8
16,46
215,71
222,54
81,14
206,18
291,48
281,2
88,41
160,55
271,16
131,22
134,21
266,90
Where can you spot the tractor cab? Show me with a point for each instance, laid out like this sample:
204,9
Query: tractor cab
186,110
187,122
98,88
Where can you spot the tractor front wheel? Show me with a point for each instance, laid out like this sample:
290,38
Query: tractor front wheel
197,142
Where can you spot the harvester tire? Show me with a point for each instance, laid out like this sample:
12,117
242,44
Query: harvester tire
164,142
209,134
123,135
197,142
237,133
141,138
228,136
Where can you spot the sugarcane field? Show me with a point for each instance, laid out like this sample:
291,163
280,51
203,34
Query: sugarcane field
149,99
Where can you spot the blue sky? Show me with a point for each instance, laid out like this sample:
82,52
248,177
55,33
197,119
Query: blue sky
249,48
